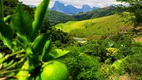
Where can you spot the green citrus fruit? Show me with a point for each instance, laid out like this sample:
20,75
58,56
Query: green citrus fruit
54,70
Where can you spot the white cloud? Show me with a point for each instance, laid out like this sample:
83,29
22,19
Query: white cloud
76,3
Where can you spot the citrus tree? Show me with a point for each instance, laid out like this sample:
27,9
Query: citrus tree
32,56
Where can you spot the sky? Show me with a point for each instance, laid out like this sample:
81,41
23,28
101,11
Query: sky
76,3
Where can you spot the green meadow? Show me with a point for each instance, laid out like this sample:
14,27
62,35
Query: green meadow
94,28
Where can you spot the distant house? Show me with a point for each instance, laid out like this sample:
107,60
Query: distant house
81,40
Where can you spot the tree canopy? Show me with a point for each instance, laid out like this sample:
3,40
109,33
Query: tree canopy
135,7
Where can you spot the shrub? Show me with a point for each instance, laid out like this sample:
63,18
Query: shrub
96,48
89,68
83,67
133,64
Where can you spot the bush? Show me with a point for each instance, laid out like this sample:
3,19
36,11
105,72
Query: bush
83,67
117,67
96,48
133,64
89,68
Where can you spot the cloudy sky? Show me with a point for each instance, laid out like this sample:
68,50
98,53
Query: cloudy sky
76,3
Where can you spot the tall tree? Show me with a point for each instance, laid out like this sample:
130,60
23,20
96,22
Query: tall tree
135,7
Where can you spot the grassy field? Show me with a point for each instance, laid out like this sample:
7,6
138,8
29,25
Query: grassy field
95,28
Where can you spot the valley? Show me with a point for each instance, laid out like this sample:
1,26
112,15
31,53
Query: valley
69,43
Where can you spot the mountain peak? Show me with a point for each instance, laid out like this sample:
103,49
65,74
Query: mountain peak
70,9
57,3
86,8
85,5
58,6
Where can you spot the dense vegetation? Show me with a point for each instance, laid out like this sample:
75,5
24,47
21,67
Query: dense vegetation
55,17
135,9
111,50
31,54
118,50
104,59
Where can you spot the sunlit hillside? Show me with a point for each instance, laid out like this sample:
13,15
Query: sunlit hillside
94,28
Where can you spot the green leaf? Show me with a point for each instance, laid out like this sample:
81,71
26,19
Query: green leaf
46,50
14,46
39,43
56,53
22,22
39,17
6,30
7,18
23,39
7,42
6,34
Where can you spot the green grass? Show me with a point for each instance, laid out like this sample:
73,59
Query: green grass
94,28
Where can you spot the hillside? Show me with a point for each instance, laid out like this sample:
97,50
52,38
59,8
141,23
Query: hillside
94,28
55,17
97,13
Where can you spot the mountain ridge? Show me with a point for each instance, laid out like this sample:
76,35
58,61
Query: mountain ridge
70,9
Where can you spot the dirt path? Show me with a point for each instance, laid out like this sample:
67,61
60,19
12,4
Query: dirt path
127,77
123,77
138,39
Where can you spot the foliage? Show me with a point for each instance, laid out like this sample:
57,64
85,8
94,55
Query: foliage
114,53
30,49
117,67
10,6
60,35
83,67
118,53
89,68
96,48
29,42
135,7
128,17
133,63
55,17
46,27
106,49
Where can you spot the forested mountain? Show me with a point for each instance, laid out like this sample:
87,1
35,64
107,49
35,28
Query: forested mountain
55,17
95,13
